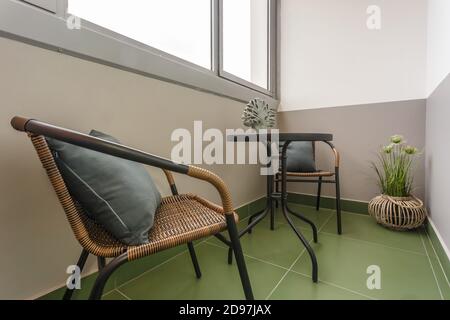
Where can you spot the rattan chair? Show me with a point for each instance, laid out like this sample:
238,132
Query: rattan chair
319,177
180,219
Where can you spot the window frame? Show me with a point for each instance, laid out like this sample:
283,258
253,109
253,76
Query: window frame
99,44
136,43
271,51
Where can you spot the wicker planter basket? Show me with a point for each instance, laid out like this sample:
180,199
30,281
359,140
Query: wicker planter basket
398,213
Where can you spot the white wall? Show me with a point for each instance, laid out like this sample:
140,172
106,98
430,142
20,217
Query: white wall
330,58
438,116
438,61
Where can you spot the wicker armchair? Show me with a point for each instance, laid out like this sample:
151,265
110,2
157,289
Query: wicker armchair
180,219
319,178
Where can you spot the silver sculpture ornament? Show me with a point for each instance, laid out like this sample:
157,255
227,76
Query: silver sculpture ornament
259,115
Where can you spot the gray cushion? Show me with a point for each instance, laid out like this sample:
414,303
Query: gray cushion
118,194
300,157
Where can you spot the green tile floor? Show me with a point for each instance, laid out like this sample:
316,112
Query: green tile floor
280,268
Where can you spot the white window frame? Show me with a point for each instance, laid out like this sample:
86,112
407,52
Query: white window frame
271,51
20,20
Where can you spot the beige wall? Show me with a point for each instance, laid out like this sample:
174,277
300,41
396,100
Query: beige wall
438,114
359,132
438,159
35,239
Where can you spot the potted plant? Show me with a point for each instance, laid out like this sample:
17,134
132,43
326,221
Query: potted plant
397,208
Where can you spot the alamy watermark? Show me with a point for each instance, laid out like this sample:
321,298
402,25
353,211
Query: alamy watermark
374,280
236,146
73,22
73,282
374,19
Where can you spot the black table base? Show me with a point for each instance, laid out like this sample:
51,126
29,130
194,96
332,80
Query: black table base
274,198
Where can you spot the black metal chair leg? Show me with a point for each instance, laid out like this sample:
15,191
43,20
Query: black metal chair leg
230,255
299,216
105,273
312,255
277,190
198,272
81,262
338,202
252,217
272,217
238,254
101,262
319,191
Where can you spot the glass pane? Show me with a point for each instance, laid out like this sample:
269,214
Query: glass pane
245,44
179,27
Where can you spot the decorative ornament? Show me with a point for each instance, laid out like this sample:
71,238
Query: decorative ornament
258,115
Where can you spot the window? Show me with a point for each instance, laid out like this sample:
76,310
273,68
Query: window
246,41
226,47
179,27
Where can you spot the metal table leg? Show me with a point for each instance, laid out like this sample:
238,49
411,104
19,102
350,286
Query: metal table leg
286,212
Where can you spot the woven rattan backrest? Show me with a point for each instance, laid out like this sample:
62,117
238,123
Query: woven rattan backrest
89,234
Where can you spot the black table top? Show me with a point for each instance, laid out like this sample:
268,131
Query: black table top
283,137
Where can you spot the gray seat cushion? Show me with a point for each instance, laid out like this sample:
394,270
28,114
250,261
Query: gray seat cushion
119,194
300,157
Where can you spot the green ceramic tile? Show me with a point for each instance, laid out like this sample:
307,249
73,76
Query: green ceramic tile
344,262
114,295
319,218
280,246
438,267
407,270
176,278
365,228
298,287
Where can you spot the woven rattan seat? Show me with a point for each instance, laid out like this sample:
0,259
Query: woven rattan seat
178,220
310,174
181,219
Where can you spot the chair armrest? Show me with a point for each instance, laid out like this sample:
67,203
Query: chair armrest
337,157
208,176
218,183
35,127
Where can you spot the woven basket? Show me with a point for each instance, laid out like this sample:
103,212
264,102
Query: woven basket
398,213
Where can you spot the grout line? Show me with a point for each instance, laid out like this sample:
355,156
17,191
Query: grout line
432,269
285,274
437,257
293,264
207,241
337,286
368,242
158,265
123,294
299,273
373,243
